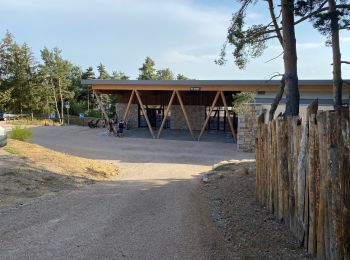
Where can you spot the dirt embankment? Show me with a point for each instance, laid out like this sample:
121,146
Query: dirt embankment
29,171
249,230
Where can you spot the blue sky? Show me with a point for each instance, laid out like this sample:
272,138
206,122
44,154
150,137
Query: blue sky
184,35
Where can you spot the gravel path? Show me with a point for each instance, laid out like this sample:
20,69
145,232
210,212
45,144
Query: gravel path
157,210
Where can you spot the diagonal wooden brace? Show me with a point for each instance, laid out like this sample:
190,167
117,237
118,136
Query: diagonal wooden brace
144,113
208,117
126,113
229,119
185,114
166,113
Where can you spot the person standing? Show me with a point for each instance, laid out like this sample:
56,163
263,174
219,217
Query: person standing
121,126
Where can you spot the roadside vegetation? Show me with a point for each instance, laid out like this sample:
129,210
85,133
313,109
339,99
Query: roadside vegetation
20,133
32,87
28,171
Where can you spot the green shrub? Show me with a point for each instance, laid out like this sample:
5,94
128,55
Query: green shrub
21,134
241,101
93,113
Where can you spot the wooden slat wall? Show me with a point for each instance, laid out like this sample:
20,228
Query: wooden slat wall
303,178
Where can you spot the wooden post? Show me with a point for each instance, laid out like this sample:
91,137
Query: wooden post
166,113
229,119
126,113
208,117
144,113
98,99
185,114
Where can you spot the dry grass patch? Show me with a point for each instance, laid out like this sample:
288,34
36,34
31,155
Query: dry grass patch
29,171
62,163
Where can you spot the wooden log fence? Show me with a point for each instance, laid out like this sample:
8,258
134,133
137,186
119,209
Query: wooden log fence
303,178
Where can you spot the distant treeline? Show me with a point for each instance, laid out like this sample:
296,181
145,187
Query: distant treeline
42,87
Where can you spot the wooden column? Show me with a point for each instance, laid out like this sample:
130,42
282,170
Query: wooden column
208,117
144,113
229,119
185,114
126,113
98,99
166,113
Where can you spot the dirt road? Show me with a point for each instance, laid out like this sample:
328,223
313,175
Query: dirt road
155,211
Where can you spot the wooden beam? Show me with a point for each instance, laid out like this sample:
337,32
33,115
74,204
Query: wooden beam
126,113
98,99
229,119
208,117
144,113
185,114
166,113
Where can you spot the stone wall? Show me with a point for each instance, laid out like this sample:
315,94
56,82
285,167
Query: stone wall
196,116
132,119
247,128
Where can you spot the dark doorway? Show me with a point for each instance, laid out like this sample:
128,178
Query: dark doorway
218,119
152,116
155,116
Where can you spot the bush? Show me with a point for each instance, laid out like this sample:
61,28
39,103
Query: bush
21,134
241,102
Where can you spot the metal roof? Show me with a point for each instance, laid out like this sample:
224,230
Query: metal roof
200,82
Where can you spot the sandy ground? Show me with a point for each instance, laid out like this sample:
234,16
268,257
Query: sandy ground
158,208
249,231
29,171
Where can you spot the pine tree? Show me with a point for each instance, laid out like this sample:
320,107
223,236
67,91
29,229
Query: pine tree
182,77
165,74
147,71
102,72
329,17
118,75
250,42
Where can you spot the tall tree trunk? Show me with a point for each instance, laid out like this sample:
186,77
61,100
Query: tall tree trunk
337,79
61,98
277,99
56,104
290,59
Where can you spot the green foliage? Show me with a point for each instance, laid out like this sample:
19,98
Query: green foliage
241,101
147,71
165,74
103,74
247,41
182,77
21,134
118,75
322,20
77,107
93,113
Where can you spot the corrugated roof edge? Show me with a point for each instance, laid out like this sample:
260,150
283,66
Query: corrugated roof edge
201,82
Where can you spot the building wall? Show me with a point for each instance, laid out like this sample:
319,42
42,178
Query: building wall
248,123
132,119
196,116
248,128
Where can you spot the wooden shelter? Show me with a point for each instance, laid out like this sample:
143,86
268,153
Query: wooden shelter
210,94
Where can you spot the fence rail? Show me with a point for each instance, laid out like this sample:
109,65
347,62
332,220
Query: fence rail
303,177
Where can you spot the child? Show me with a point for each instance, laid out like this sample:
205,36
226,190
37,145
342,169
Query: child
120,128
